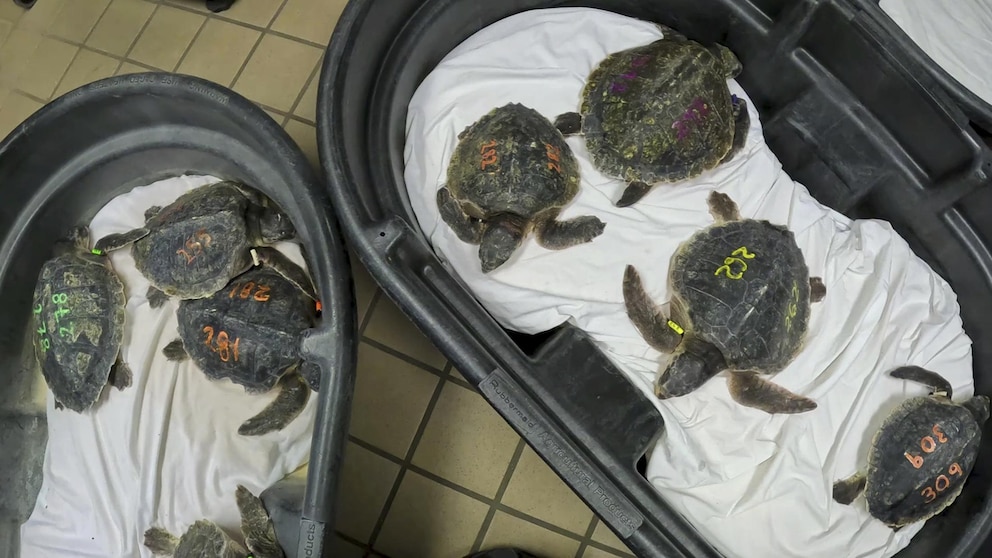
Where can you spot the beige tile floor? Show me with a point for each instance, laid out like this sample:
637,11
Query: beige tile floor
430,469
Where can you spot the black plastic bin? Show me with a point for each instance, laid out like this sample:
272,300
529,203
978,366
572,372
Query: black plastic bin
863,128
889,35
78,152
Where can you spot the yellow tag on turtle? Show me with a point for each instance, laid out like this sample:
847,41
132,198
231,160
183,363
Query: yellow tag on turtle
676,327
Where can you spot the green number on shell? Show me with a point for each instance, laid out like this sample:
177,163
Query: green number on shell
45,345
60,298
37,309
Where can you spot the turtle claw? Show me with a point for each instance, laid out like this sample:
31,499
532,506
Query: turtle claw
845,491
751,390
633,193
292,398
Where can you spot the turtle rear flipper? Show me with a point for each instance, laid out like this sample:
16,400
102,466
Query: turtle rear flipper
557,235
569,123
646,315
846,490
161,542
292,398
116,241
175,351
256,526
466,228
723,208
978,406
633,193
751,390
287,268
152,212
120,375
742,123
155,297
311,374
935,381
817,290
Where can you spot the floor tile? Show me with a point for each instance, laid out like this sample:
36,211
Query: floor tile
341,548
366,481
46,67
466,442
77,18
11,12
40,17
603,534
166,37
219,51
392,328
307,108
253,12
119,26
131,68
591,552
311,20
16,54
506,530
16,108
390,399
277,72
365,286
429,520
5,28
305,136
89,66
536,490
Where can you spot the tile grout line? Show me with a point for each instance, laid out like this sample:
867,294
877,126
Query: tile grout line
134,42
189,47
81,46
588,536
511,468
369,312
406,464
303,91
252,26
403,356
258,42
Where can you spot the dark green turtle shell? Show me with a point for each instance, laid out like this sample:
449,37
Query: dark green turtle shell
79,324
897,491
512,160
198,243
660,112
249,331
744,287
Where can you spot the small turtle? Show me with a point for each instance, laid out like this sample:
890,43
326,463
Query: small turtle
79,319
741,295
920,456
195,245
250,332
660,112
510,172
205,539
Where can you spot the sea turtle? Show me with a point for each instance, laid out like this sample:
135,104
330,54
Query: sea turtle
510,172
79,320
741,295
660,112
205,539
920,456
195,245
250,332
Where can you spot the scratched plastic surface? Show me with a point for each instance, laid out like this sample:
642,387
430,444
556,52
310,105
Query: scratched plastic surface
860,126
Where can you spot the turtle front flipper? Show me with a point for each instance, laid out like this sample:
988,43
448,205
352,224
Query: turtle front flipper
695,363
557,235
751,390
120,374
116,241
742,123
256,526
817,290
287,268
935,381
292,398
978,406
161,542
635,190
569,123
175,351
501,238
466,228
647,316
155,297
846,490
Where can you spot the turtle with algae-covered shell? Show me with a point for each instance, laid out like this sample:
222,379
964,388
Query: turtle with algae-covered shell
660,112
195,245
512,173
741,295
79,323
921,455
250,332
205,539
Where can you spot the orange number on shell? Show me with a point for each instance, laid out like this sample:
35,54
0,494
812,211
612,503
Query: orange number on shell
928,445
916,460
940,435
210,334
929,494
246,290
488,151
262,294
947,482
955,470
223,351
554,157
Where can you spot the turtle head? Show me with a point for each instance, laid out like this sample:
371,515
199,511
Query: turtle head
692,366
728,60
274,225
979,408
500,239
